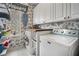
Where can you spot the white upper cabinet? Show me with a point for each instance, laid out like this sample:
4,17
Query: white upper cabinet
54,12
73,11
60,11
49,12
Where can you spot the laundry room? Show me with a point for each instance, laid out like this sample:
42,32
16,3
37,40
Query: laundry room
39,29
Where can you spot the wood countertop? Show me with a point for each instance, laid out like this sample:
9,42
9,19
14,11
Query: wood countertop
37,30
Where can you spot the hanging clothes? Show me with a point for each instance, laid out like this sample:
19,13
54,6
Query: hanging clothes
24,19
1,24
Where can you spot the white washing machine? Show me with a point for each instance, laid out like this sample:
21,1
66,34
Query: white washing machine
59,43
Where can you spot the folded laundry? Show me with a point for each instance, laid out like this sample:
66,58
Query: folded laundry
3,38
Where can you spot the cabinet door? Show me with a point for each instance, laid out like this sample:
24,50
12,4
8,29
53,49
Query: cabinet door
60,11
52,12
45,12
36,16
74,10
68,8
41,13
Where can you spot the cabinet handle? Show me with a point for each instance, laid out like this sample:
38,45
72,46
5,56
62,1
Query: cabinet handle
48,42
68,17
64,17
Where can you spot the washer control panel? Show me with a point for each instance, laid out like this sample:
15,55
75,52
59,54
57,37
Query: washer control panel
66,32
